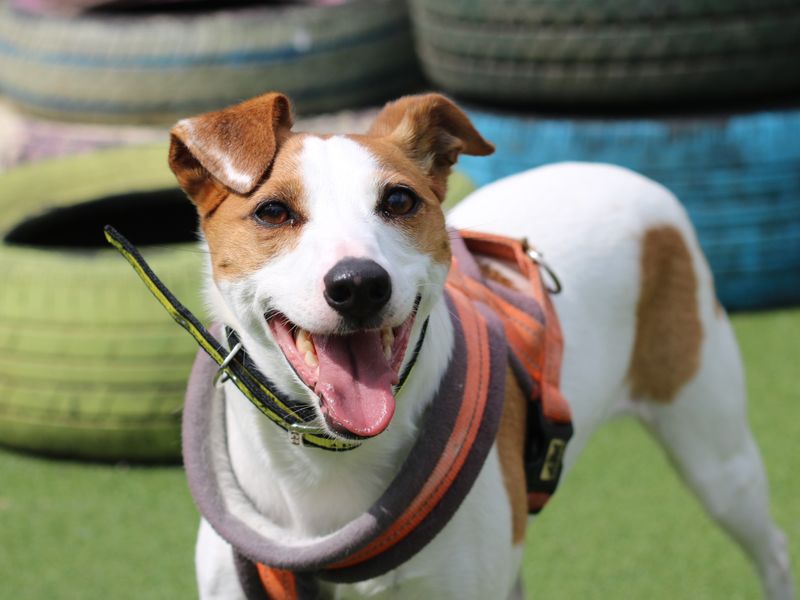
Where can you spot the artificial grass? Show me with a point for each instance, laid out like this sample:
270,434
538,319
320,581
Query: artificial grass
86,531
622,525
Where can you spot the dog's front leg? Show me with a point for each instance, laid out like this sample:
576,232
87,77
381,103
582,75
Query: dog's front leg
216,571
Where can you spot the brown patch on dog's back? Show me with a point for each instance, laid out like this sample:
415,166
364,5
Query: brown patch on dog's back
511,449
666,351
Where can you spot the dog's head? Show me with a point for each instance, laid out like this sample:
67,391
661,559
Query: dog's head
327,249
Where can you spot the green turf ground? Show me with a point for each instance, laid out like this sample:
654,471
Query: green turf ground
621,526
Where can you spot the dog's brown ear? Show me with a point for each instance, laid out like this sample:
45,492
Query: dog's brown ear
431,130
233,147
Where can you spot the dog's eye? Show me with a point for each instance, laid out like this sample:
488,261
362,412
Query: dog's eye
399,202
272,213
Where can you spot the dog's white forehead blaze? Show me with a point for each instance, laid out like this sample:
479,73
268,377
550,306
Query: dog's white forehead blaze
341,180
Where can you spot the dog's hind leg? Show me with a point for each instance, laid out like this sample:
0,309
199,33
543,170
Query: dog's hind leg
705,432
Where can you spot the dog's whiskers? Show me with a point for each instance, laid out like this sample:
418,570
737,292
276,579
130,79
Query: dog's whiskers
270,313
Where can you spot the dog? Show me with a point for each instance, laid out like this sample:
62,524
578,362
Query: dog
328,256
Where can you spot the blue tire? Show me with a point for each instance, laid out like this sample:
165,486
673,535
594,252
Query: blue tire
738,176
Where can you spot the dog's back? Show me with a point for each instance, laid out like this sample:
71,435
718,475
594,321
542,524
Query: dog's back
643,333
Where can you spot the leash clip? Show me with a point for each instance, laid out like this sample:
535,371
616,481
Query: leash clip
221,376
538,258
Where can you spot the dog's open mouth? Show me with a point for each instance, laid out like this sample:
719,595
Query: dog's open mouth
353,374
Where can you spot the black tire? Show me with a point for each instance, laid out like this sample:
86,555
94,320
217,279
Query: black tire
90,365
159,68
609,52
548,12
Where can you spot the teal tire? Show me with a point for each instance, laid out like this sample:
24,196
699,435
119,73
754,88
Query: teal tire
157,68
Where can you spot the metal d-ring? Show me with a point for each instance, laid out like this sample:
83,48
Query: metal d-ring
298,430
221,376
538,258
304,428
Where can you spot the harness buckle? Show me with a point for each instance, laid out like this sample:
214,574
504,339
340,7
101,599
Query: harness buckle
221,376
538,258
544,455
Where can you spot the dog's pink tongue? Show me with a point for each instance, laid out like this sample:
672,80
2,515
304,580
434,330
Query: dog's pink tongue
355,382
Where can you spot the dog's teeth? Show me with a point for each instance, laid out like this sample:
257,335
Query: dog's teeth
311,359
387,337
303,341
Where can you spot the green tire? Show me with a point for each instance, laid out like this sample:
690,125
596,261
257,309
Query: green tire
609,52
90,365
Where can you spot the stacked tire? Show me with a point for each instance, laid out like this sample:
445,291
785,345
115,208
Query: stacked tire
157,67
620,52
654,86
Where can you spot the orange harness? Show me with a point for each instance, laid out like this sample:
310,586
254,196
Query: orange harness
536,344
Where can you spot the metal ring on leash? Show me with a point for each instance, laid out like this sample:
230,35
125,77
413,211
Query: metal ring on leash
221,376
296,430
538,258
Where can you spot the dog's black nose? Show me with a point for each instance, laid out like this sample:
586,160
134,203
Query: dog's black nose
357,288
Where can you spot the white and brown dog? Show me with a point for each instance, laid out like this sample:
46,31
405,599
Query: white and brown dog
328,252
